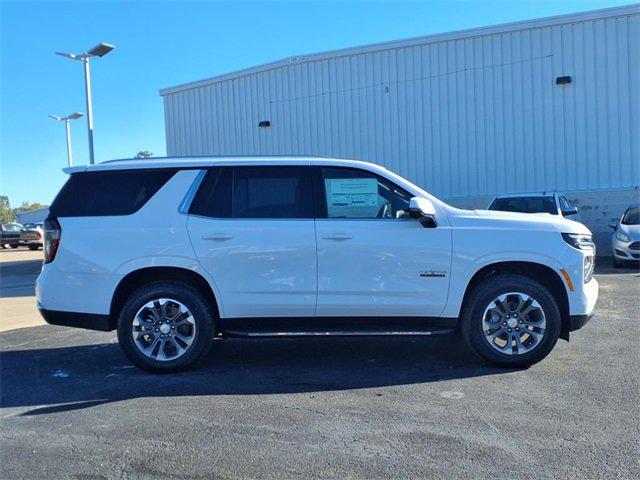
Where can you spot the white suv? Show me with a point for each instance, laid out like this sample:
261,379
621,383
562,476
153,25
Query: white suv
175,252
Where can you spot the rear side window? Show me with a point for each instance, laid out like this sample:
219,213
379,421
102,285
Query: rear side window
122,192
525,205
255,192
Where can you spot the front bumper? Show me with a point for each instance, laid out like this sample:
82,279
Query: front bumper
89,321
621,250
579,321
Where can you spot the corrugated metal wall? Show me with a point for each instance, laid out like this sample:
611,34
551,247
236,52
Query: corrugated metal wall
470,116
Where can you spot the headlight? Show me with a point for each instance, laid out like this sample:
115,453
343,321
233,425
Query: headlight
584,243
589,265
579,241
622,237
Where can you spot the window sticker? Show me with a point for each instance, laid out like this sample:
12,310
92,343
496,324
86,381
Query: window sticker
352,197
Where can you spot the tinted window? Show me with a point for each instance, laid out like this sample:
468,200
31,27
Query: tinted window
11,227
352,193
213,198
120,192
525,205
631,216
255,192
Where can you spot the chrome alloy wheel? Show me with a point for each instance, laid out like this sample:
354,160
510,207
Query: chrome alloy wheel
163,329
514,323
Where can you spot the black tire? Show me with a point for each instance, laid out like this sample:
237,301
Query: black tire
484,294
14,245
617,263
203,318
34,247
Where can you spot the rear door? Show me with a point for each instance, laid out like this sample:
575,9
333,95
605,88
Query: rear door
252,229
373,259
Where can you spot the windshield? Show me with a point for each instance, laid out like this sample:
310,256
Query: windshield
631,216
525,205
11,227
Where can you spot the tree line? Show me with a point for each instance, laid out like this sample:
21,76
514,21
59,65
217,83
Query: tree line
8,214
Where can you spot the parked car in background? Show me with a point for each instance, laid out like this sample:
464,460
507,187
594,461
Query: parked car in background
31,235
552,203
10,235
625,242
272,247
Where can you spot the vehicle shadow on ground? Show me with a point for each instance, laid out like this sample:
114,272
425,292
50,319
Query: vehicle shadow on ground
17,279
78,377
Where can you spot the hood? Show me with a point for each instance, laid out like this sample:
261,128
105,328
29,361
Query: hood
520,221
633,231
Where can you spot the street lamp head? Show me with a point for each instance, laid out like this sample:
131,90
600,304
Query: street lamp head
76,115
72,56
100,50
56,117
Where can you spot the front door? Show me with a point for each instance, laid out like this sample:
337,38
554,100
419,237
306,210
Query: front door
252,229
373,259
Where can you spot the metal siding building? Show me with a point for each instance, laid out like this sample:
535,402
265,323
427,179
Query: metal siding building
466,115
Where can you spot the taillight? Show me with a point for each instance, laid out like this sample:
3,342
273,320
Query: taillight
52,234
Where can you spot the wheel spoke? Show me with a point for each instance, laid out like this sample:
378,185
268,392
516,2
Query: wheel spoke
518,347
503,308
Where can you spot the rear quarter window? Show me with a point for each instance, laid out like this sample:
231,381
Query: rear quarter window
122,192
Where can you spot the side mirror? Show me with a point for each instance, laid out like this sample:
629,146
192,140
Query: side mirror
567,212
613,227
422,210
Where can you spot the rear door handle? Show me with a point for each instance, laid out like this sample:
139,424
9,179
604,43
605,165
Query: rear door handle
217,236
337,236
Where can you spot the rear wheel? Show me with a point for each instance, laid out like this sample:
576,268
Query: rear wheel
14,245
511,320
34,247
165,327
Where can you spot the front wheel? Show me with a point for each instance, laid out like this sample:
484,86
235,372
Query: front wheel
511,321
165,327
34,247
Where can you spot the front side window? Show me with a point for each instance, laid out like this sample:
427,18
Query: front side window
255,192
358,194
525,205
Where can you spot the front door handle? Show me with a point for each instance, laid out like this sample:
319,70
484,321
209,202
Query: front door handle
337,236
217,236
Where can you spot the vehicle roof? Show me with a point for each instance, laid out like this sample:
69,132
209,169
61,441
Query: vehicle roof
209,161
534,194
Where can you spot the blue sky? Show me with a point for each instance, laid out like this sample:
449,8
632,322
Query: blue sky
161,44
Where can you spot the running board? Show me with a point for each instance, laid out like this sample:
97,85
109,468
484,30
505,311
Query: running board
336,333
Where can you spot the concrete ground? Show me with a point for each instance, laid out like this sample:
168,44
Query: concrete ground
18,271
73,408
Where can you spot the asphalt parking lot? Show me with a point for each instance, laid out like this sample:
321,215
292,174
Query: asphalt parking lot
72,406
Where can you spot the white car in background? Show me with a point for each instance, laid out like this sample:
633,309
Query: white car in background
625,242
174,252
546,202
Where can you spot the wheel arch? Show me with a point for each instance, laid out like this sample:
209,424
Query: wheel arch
543,274
144,276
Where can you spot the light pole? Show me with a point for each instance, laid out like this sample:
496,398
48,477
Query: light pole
66,120
99,50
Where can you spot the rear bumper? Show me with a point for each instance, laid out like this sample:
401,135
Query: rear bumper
579,321
89,321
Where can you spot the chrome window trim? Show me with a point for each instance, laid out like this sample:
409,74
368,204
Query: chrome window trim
185,204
